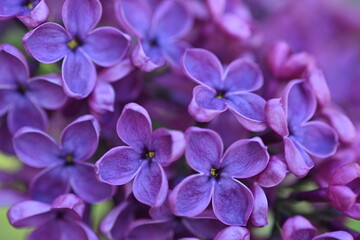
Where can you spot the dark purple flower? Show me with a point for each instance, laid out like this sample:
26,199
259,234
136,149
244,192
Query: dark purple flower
344,190
299,228
31,12
289,116
220,90
22,97
148,152
60,220
64,163
158,32
232,201
79,44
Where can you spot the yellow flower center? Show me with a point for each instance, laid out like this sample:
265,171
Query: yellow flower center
214,172
150,154
73,44
30,6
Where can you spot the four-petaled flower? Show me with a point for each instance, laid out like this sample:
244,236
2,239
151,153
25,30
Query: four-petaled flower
232,201
79,44
148,152
64,164
289,117
22,97
221,90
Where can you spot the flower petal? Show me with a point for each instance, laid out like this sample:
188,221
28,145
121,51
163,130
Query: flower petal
317,138
205,105
50,183
203,67
151,185
80,138
297,160
9,8
192,195
25,113
80,16
203,150
276,117
233,233
245,158
171,20
106,45
47,91
14,68
84,183
102,98
118,166
37,16
299,102
337,235
259,217
50,230
249,110
149,229
232,202
146,57
298,228
7,99
35,148
161,144
29,213
242,75
79,75
47,43
134,126
273,174
70,202
205,227
137,24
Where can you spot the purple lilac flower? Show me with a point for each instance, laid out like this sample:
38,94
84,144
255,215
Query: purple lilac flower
144,158
232,201
220,90
158,32
289,117
233,233
22,97
79,44
299,228
232,16
65,167
344,190
60,220
274,173
31,12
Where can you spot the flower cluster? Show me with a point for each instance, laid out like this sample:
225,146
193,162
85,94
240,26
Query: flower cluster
182,119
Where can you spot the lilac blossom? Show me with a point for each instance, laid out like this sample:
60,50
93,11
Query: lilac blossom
143,159
232,201
158,32
344,190
64,164
25,98
79,44
299,228
220,90
60,220
289,117
31,12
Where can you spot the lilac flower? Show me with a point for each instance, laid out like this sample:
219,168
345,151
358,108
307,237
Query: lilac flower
148,152
299,228
158,33
232,201
344,190
221,90
79,44
64,164
232,16
59,220
289,117
31,12
22,97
